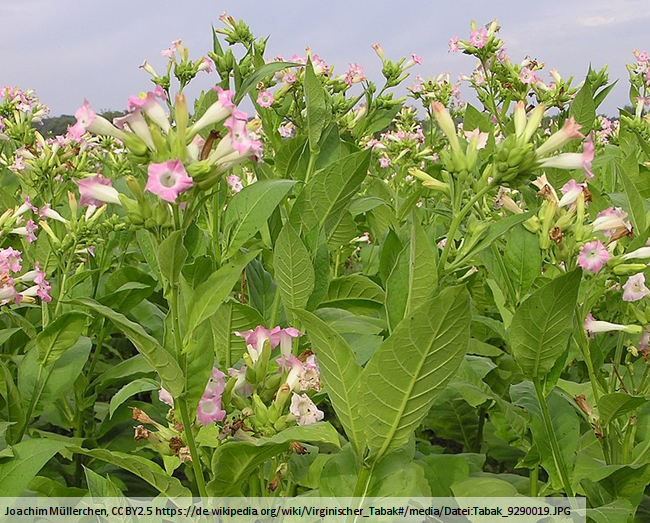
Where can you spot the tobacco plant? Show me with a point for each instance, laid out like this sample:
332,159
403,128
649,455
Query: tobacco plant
341,296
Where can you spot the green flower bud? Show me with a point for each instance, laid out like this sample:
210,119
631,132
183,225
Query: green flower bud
628,269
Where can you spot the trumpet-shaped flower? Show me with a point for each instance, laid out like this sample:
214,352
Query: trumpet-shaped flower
147,103
593,256
136,123
165,396
642,253
258,336
478,38
87,120
573,160
209,410
28,231
285,337
571,191
593,326
305,410
527,76
634,288
8,293
609,220
168,180
97,190
47,212
10,260
217,112
570,131
265,99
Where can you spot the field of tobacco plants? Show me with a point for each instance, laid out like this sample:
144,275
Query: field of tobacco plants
343,294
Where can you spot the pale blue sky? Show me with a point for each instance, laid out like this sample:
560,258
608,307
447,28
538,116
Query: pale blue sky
69,50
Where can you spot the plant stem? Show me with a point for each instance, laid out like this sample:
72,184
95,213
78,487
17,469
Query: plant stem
310,165
555,447
534,482
182,405
196,464
455,223
275,308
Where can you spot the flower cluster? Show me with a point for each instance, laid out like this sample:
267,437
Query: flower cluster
32,283
209,409
178,157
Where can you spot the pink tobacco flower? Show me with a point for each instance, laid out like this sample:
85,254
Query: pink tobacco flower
166,397
265,99
97,190
168,180
481,138
234,182
527,76
147,103
634,288
47,212
87,120
570,131
478,38
10,260
209,410
27,206
217,112
571,191
8,293
593,256
453,44
384,162
258,336
28,231
593,326
305,410
609,220
354,74
285,337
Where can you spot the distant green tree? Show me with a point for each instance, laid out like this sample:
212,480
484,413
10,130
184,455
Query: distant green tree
58,125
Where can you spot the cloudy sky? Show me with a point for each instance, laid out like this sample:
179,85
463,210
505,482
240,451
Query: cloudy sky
69,50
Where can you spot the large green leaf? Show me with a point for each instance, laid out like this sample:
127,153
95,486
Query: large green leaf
354,291
155,354
340,373
232,316
523,259
59,336
542,325
318,111
235,461
262,72
142,467
210,294
565,422
326,196
293,269
583,108
129,390
171,256
29,457
637,209
611,406
249,210
413,279
411,368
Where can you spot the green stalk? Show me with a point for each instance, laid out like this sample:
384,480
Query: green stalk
534,482
196,464
455,223
275,308
555,447
182,405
